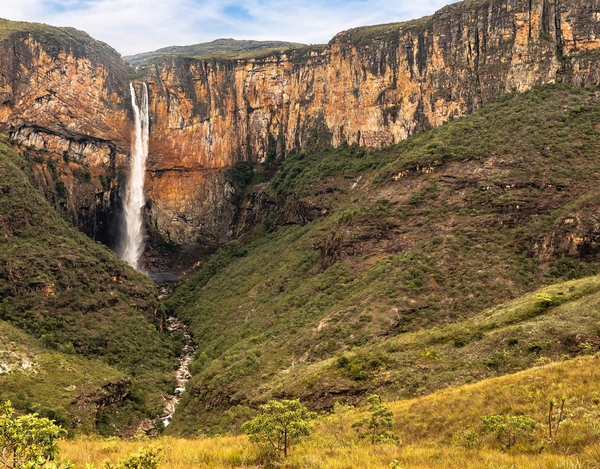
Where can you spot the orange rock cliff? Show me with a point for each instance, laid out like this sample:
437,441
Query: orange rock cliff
65,93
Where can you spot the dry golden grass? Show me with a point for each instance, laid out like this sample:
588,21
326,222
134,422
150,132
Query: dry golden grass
176,453
440,416
231,452
429,428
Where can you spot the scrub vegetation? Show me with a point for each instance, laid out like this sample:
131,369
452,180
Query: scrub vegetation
75,310
404,270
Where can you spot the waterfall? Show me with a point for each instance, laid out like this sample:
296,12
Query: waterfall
133,244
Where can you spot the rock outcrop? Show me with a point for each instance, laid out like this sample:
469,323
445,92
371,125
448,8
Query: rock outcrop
65,94
373,86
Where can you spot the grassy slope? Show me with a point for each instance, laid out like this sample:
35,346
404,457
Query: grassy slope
63,387
75,295
417,236
432,430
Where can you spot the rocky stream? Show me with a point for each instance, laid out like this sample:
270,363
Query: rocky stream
182,374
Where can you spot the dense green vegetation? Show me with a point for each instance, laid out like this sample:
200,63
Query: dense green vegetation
75,297
413,242
64,387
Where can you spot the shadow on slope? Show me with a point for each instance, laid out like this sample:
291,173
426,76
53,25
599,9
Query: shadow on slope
75,296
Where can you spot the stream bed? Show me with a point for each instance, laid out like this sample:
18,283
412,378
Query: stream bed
182,374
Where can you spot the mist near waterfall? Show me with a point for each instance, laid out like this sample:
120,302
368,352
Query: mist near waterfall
134,200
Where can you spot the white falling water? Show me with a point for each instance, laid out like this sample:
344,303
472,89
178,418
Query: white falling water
133,244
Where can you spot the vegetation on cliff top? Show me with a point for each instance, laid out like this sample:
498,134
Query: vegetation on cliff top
56,39
219,48
75,296
365,35
418,236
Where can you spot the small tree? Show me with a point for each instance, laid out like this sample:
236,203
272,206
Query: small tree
377,427
337,424
509,428
27,441
279,425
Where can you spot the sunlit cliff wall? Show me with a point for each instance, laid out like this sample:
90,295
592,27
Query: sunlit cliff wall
373,86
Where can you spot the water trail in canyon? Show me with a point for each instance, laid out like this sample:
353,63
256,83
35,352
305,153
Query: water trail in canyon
182,375
133,244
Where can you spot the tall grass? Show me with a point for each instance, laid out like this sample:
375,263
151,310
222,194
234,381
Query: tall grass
430,430
221,453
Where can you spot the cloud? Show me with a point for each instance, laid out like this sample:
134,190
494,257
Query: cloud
133,26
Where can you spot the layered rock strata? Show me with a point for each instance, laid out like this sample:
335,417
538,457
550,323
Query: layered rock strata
373,86
63,93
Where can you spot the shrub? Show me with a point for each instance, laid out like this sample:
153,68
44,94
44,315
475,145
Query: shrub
377,426
61,189
508,428
146,458
27,441
337,424
279,425
467,437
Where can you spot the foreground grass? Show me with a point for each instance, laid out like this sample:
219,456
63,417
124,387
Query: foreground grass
236,452
430,428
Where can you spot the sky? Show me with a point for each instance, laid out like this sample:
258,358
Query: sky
134,26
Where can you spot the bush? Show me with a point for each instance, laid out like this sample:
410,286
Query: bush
61,189
146,458
467,437
27,441
279,425
508,428
377,427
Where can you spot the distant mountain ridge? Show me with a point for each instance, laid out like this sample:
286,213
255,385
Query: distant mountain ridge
219,47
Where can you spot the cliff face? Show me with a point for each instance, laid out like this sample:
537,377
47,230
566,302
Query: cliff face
62,89
64,93
373,86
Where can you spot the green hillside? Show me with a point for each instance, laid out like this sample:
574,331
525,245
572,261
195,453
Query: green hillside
384,290
75,296
63,387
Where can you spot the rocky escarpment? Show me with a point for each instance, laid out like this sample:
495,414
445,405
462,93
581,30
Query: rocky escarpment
64,93
373,86
59,87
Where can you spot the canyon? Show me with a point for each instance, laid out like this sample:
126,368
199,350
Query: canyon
400,180
63,92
